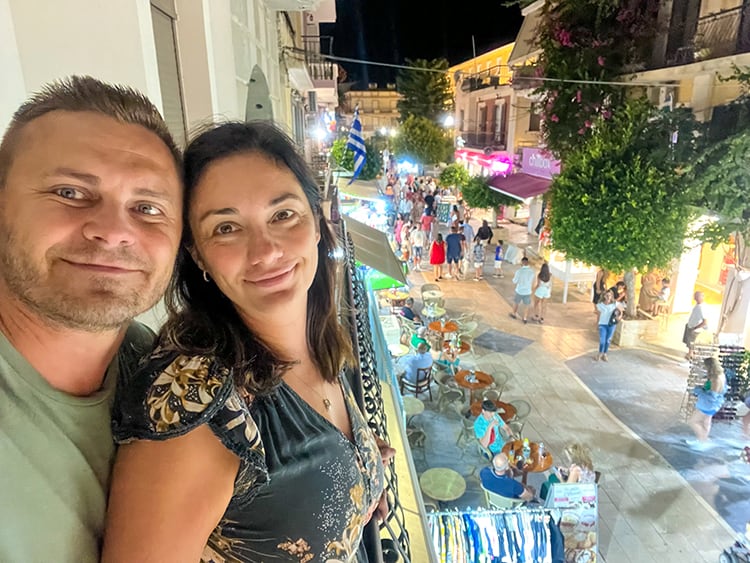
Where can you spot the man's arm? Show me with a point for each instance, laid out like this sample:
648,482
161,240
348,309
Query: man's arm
528,493
484,439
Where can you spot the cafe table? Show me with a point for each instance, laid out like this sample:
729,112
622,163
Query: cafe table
482,381
412,407
443,328
442,484
505,410
432,294
449,347
396,295
397,350
433,313
537,463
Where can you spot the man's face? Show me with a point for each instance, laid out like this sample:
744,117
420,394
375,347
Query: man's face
90,220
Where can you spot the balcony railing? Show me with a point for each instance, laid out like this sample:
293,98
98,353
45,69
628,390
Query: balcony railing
318,66
716,35
485,79
483,139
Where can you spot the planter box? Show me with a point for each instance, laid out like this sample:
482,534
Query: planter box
629,333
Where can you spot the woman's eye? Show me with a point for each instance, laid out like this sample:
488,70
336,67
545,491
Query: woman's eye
148,209
283,215
69,193
224,229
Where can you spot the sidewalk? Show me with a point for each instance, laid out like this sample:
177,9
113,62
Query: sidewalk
648,511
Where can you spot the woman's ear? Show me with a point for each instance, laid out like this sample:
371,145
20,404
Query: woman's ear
196,257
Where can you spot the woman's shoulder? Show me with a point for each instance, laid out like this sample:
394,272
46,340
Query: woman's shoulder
169,395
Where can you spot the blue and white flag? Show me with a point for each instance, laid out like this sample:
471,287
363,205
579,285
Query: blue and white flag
357,145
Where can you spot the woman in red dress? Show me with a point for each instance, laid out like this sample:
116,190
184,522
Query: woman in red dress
437,256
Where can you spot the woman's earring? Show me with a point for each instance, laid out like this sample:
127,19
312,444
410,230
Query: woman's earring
205,276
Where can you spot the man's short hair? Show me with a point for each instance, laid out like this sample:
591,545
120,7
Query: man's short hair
84,93
524,260
409,301
489,406
421,348
500,462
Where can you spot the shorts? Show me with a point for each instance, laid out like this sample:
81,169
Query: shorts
709,413
525,299
453,258
478,264
498,264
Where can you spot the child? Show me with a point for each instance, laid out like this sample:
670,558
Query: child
662,299
478,261
498,260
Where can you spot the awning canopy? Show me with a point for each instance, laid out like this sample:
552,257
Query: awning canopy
361,189
371,247
520,186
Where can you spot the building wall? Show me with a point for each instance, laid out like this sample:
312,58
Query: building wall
377,108
713,6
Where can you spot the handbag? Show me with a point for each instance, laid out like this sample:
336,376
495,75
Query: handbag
614,319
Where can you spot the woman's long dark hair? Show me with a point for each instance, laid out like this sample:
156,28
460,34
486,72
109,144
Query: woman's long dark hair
203,321
544,273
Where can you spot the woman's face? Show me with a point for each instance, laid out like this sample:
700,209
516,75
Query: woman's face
608,297
255,234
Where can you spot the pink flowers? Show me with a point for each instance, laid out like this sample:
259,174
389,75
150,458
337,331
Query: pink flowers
587,124
606,114
600,60
554,118
563,37
578,96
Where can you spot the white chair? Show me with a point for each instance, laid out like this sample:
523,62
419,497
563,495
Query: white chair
500,502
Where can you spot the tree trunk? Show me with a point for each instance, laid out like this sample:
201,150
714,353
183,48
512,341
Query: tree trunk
629,280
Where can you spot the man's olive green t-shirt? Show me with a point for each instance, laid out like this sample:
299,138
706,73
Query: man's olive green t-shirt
56,453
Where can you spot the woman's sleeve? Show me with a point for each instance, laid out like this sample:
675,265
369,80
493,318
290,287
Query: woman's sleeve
170,396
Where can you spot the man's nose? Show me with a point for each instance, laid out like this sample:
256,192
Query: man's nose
109,224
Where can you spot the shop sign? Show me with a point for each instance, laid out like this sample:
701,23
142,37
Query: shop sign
540,163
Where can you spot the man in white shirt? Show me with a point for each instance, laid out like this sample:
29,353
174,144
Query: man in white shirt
416,238
696,322
408,365
524,280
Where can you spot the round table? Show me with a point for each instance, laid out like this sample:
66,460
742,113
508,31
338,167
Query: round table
448,347
444,328
442,484
398,350
395,294
537,463
505,410
412,407
431,313
483,380
432,294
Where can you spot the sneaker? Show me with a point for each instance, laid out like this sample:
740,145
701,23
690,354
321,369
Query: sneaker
495,276
525,321
448,276
604,358
476,279
502,275
696,444
598,357
513,316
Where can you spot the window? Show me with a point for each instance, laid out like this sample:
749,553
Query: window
500,120
461,120
165,41
535,119
482,121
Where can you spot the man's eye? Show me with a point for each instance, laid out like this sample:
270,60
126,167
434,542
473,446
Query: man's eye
69,193
148,209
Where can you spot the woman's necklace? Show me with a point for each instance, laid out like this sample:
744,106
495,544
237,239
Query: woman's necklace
326,401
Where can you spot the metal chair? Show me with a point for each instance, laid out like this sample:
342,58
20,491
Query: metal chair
501,380
523,409
516,428
453,399
491,395
467,432
424,379
467,328
466,317
447,382
500,502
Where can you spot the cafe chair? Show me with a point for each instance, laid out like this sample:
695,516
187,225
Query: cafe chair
516,428
451,400
491,395
500,502
424,379
501,380
446,382
467,328
466,317
467,431
523,409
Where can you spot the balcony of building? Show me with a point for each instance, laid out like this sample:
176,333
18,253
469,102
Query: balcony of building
719,34
323,72
490,78
494,140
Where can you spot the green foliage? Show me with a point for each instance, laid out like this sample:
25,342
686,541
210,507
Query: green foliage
454,175
476,193
422,140
617,203
721,175
425,93
588,40
344,158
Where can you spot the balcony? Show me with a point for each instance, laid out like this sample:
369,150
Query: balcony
484,139
716,35
320,68
489,78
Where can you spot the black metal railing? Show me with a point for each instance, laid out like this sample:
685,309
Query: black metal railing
367,388
485,79
482,139
315,47
716,35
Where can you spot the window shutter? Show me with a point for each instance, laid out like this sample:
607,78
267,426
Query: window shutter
169,74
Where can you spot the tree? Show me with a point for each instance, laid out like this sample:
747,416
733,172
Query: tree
454,175
344,158
426,93
422,140
619,202
478,194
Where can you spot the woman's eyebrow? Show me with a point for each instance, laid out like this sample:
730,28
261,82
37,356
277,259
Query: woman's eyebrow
222,211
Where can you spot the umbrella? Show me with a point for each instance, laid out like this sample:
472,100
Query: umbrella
377,280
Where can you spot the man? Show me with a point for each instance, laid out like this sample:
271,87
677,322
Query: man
426,222
90,223
407,311
454,251
523,280
498,479
490,429
409,364
696,322
484,234
416,238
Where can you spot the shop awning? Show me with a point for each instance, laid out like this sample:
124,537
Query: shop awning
371,247
520,186
361,189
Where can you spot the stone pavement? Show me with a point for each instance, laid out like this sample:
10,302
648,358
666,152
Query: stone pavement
647,510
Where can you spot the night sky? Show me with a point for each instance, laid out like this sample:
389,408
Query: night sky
393,30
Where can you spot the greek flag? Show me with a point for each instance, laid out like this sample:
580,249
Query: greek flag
357,145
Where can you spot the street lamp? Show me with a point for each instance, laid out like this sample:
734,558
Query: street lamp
383,131
449,121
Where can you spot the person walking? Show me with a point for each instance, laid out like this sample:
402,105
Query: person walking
607,309
498,260
523,280
437,256
416,238
455,246
696,322
710,398
600,286
478,255
542,292
484,234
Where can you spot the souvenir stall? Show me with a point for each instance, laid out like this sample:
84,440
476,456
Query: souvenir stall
524,535
578,505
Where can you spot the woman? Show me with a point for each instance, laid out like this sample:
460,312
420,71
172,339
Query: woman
542,292
600,285
240,441
580,468
606,309
437,256
710,399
